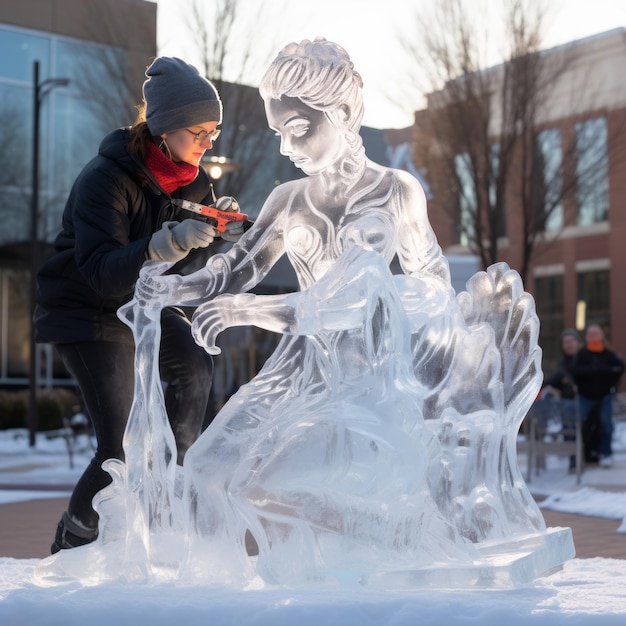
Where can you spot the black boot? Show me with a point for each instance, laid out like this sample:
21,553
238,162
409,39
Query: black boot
71,534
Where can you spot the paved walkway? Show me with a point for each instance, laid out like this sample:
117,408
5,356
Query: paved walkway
27,530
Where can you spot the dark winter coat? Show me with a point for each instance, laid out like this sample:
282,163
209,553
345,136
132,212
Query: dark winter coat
597,373
563,378
114,207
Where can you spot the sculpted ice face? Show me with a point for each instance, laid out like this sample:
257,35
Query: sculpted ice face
307,135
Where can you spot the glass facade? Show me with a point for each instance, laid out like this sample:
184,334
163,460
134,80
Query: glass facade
594,291
494,164
19,49
71,125
467,195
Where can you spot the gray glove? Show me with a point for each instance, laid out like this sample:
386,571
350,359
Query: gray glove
234,230
175,239
227,203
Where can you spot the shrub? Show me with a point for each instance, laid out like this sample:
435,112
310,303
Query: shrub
12,410
52,405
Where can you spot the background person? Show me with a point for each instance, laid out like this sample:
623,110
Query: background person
118,215
562,382
562,379
597,372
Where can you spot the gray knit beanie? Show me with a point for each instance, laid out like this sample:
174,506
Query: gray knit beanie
178,97
571,332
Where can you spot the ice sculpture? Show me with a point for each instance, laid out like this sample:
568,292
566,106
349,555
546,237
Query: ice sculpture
378,443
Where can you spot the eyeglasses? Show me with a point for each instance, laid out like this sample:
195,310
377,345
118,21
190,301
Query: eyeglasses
203,135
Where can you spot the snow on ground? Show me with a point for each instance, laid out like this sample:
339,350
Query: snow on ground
585,592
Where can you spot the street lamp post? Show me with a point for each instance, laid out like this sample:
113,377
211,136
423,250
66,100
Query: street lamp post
40,91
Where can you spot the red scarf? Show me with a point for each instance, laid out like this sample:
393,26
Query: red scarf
169,174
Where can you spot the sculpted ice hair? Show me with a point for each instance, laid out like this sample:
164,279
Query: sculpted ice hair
321,75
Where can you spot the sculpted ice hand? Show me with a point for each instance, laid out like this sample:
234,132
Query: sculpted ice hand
153,290
276,313
210,320
334,304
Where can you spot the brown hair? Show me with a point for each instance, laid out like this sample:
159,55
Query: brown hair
140,136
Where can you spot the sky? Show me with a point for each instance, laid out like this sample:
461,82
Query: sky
369,30
585,592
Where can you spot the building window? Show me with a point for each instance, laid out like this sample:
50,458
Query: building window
550,309
494,164
594,297
18,50
547,179
466,198
592,181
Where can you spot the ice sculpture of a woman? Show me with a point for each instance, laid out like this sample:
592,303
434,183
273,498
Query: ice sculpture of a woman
380,435
376,435
324,450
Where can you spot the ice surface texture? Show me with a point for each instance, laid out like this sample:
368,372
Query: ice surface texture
378,442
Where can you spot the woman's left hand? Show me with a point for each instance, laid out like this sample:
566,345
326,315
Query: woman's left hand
234,230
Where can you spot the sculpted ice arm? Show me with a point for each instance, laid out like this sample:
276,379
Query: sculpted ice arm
238,270
274,313
331,304
419,254
418,250
401,226
301,313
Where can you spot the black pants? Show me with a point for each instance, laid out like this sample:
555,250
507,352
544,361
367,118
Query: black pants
104,371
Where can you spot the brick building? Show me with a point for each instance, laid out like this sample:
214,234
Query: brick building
577,269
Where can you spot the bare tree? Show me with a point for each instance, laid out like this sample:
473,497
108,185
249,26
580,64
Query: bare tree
13,164
235,47
480,135
109,72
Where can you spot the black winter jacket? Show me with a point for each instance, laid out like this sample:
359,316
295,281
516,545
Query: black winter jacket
113,209
563,378
597,373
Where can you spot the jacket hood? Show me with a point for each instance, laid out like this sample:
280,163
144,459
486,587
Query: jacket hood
113,147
